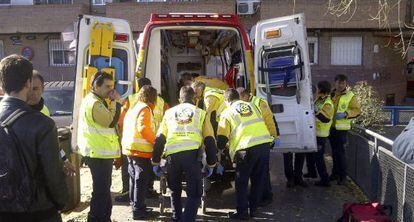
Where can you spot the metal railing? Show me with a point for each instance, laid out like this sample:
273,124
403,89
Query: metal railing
399,115
380,175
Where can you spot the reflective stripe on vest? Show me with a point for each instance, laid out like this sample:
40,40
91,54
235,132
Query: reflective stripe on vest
94,140
132,138
322,129
184,124
247,127
158,111
45,111
256,101
343,104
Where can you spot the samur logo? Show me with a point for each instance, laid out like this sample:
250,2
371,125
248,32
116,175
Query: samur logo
184,116
244,109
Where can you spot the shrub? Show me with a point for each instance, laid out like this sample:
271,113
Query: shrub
372,115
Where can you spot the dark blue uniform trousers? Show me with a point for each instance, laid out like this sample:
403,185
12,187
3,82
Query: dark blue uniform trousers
267,187
101,202
251,165
338,139
189,164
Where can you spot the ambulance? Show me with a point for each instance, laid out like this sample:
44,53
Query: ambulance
273,64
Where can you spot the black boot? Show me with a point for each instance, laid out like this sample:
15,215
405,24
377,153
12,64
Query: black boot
237,216
323,183
300,182
333,177
310,175
290,183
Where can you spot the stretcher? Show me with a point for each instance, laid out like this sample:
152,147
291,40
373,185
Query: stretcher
100,46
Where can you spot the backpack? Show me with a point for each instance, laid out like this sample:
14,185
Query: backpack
365,212
16,194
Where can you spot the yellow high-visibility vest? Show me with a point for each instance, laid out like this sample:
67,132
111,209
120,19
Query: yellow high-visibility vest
184,124
343,104
131,138
158,110
94,140
322,129
247,127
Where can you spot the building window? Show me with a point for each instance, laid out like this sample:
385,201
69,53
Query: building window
58,55
1,49
5,2
346,51
313,50
101,2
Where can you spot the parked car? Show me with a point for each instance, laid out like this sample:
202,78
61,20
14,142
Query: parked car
58,97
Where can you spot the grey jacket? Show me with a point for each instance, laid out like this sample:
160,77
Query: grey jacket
39,140
403,147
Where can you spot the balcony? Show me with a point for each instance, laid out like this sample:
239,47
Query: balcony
49,2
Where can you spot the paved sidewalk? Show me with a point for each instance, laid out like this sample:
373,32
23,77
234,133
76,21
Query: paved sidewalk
290,205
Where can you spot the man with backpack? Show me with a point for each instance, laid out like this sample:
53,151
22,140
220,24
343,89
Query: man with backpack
32,182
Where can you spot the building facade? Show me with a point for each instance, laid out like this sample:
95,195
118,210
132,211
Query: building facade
357,48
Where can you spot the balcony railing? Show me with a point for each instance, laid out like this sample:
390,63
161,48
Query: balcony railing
46,2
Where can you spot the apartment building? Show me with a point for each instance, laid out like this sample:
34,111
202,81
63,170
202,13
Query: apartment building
357,48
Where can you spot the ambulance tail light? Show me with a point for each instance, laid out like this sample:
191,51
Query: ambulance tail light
121,37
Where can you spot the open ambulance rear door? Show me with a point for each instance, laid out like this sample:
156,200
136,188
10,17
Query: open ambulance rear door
103,44
283,78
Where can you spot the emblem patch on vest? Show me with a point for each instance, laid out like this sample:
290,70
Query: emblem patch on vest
343,106
184,116
244,110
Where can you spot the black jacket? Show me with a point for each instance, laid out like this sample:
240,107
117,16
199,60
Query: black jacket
39,141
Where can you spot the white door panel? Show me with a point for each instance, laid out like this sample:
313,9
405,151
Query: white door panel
283,78
127,57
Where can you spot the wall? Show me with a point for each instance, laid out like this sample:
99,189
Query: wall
40,60
138,13
39,18
387,62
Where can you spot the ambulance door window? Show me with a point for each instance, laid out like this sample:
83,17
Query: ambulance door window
119,62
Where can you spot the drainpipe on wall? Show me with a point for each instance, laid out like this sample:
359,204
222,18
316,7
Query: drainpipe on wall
409,19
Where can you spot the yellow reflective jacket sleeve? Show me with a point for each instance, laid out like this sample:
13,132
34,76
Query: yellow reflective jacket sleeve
224,127
268,119
212,104
207,128
354,108
102,115
163,130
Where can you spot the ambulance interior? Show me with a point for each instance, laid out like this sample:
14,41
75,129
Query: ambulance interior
213,55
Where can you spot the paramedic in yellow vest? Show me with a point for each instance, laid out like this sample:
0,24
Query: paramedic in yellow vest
324,113
271,124
98,141
158,110
137,143
346,109
211,100
242,126
36,102
184,129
